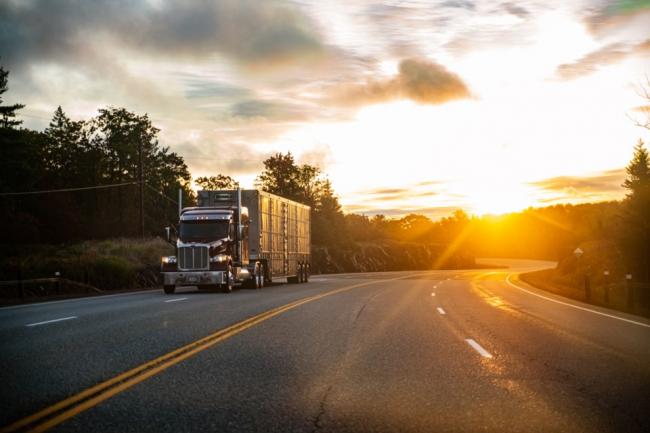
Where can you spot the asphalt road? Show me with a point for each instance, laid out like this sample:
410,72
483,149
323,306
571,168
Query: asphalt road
433,351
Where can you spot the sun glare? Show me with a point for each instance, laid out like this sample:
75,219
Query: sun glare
497,197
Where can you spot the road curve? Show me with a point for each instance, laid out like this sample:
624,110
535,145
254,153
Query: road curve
463,350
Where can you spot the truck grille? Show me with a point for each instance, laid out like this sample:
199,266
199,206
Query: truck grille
190,258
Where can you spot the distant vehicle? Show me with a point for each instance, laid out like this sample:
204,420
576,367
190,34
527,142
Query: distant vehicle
238,237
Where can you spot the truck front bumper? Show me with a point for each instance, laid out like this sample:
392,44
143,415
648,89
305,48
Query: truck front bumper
194,278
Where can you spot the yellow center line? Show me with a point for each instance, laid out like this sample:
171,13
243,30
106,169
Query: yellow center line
74,405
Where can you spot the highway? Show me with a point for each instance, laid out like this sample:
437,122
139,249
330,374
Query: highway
421,351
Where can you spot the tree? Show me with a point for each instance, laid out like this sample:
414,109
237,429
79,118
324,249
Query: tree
220,181
636,237
303,183
638,171
328,222
282,176
64,151
7,112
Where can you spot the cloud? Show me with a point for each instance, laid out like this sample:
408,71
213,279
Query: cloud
248,31
607,55
270,110
516,10
422,81
459,4
606,182
197,89
611,16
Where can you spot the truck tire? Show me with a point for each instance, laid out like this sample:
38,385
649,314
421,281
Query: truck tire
259,279
301,273
307,270
169,289
228,285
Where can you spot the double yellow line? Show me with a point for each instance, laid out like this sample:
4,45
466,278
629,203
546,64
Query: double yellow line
65,409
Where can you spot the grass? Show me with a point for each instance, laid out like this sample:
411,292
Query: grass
111,264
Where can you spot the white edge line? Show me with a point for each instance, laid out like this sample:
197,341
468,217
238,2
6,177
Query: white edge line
52,321
174,300
441,311
82,298
611,316
484,353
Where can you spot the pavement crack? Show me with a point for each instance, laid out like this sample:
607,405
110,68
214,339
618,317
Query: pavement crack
360,311
318,419
364,305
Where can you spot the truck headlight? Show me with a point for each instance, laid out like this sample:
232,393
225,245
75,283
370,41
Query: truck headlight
168,260
219,258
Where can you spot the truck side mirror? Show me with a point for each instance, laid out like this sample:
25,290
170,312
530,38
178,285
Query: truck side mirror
168,234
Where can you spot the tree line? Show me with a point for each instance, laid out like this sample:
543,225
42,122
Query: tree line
104,152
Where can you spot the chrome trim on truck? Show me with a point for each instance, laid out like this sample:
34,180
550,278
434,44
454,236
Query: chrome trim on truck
193,257
194,278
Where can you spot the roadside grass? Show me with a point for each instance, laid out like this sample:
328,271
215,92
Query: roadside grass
111,264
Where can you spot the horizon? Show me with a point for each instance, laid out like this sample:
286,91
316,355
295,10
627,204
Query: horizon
421,108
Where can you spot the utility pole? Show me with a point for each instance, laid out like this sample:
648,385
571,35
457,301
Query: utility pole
141,188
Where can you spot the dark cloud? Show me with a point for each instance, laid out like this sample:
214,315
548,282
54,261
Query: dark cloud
66,30
516,10
607,55
459,4
607,182
422,81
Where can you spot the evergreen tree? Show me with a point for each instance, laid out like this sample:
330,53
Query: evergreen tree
636,237
7,112
64,151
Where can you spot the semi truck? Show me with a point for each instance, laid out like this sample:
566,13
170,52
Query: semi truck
238,237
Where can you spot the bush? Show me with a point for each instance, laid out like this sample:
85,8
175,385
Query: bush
108,264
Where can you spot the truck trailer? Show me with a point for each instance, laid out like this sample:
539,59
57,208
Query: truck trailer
238,237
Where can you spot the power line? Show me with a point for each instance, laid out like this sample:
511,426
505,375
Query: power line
160,193
114,185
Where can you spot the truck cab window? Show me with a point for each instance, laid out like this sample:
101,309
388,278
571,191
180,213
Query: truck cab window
204,231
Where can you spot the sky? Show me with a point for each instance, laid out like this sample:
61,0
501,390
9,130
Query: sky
406,106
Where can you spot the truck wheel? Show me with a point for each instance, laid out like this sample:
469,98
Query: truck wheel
307,270
301,274
227,287
259,279
169,289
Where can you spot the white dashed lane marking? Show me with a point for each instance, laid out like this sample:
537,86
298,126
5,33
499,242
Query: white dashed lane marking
51,321
484,353
175,300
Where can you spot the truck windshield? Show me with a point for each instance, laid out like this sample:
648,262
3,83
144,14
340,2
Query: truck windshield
203,231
